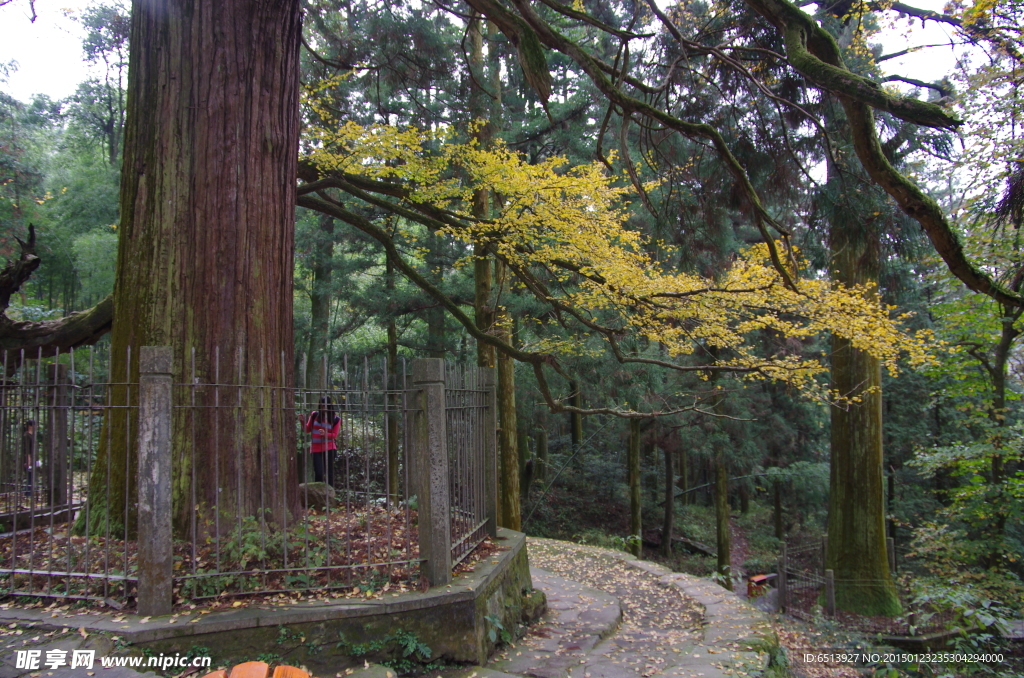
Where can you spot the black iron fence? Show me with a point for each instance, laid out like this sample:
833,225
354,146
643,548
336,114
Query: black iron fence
168,490
807,590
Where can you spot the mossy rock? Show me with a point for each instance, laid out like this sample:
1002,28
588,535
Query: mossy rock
317,495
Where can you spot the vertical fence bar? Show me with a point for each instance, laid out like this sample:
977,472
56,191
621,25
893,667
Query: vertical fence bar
890,547
154,481
430,451
489,445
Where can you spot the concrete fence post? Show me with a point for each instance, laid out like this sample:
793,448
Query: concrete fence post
156,557
430,452
830,594
490,441
824,554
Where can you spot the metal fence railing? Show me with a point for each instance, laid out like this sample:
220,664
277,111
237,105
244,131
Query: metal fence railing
244,514
467,406
807,590
52,414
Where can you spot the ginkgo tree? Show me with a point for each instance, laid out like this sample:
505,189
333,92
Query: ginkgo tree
562,232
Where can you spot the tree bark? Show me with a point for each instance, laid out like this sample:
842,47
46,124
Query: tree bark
780,533
541,472
436,334
320,303
575,418
998,495
205,253
393,417
856,517
483,278
635,499
508,453
668,525
683,481
722,530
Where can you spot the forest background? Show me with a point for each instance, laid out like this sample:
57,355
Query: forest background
754,411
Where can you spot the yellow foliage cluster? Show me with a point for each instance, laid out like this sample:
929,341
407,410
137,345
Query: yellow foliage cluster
562,231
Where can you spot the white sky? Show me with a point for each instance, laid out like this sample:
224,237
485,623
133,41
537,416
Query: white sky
49,53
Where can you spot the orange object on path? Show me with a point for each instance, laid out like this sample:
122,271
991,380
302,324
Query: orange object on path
285,671
259,670
251,670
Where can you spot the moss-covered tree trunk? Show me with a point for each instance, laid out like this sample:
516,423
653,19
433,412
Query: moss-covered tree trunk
205,254
856,517
508,448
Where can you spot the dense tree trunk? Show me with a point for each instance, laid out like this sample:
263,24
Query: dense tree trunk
635,503
393,418
668,525
488,273
205,252
998,495
508,453
856,519
722,530
320,303
575,418
526,464
541,472
436,334
683,480
780,533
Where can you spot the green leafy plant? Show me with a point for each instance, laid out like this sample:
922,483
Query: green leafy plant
407,653
497,630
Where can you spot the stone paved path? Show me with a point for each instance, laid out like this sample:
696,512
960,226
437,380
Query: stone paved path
609,616
612,616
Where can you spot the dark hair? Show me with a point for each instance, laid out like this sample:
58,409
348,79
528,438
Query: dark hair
28,422
326,411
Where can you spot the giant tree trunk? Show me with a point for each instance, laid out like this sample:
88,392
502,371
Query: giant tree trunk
205,253
856,515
